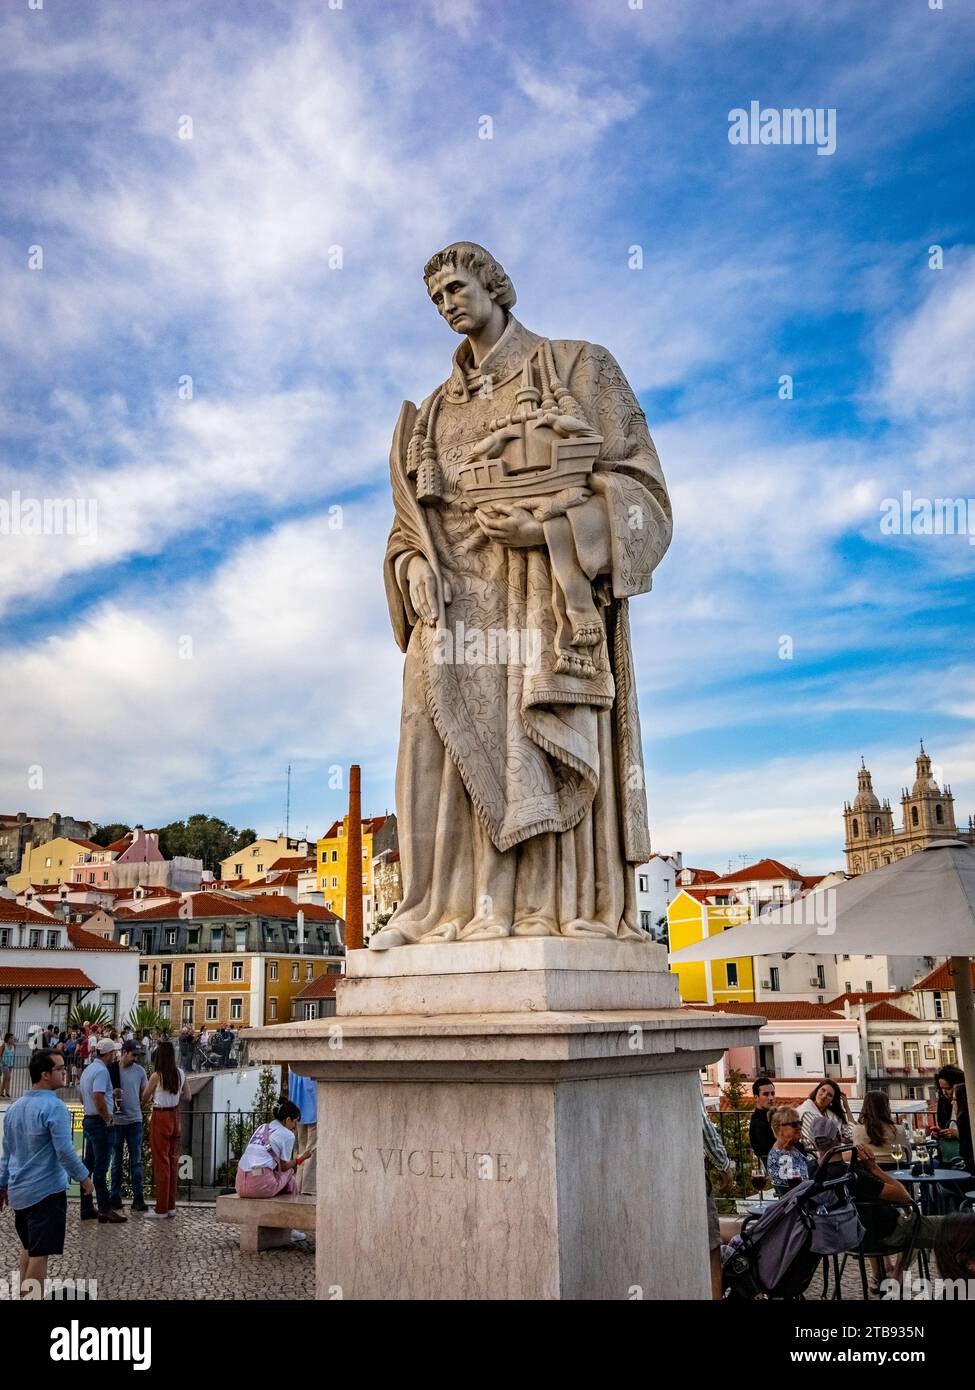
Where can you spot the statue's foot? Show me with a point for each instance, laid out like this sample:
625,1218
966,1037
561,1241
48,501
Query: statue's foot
584,927
447,932
389,936
536,926
485,929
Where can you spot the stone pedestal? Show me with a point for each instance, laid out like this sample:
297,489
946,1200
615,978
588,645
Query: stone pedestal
516,1119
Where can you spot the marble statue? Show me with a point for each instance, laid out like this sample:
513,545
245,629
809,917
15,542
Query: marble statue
530,507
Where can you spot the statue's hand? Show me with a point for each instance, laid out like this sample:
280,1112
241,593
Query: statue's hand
509,525
423,589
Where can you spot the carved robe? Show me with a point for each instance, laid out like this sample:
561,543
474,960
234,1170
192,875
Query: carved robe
520,791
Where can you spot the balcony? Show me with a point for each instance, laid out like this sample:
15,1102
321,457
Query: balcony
903,1074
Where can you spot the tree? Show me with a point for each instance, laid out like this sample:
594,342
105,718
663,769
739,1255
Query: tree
267,1097
106,835
203,837
145,1019
87,1013
733,1128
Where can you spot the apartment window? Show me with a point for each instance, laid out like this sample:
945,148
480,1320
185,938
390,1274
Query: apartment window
272,1009
875,1058
949,1057
237,970
47,864
644,883
939,1006
309,971
165,1008
912,1055
187,1013
91,878
212,1008
645,921
53,938
108,1000
4,936
236,1009
335,882
143,974
238,870
311,1010
273,971
821,976
240,939
216,939
846,957
773,978
171,937
731,971
213,971
35,938
868,986
335,856
294,974
189,979
260,868
165,979
831,1052
798,1057
848,986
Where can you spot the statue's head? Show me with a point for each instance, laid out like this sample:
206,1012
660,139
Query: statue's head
467,285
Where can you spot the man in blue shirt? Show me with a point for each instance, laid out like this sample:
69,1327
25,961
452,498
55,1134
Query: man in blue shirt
38,1159
97,1095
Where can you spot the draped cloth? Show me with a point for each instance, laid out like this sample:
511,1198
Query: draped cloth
520,789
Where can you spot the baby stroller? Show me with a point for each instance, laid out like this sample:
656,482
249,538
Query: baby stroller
775,1255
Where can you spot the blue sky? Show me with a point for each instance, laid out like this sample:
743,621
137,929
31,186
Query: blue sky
357,127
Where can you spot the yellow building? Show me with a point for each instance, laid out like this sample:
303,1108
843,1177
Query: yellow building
690,919
332,866
254,860
49,863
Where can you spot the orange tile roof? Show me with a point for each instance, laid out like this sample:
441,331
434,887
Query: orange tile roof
30,977
940,978
774,1009
700,875
85,844
863,996
322,988
293,861
215,904
763,868
13,912
890,1013
370,825
83,940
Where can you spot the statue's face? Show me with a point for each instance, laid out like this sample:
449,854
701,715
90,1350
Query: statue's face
461,299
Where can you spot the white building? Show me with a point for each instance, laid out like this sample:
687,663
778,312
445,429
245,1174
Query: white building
657,884
47,967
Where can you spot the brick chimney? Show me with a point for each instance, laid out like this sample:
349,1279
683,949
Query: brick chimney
353,865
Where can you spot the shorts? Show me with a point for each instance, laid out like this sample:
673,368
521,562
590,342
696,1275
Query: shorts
41,1227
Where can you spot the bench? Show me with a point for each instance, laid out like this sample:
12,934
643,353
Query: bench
266,1223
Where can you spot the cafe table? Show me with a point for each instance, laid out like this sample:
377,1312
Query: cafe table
930,1195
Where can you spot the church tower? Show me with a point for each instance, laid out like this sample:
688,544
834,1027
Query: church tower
869,824
929,811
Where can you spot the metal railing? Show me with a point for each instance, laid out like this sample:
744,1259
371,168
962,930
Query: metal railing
212,1141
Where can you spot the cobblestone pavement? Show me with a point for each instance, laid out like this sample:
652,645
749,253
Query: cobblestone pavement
191,1257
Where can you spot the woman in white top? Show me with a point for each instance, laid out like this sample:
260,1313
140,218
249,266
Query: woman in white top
826,1099
878,1133
167,1087
266,1167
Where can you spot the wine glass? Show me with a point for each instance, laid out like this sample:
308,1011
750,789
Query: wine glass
759,1178
897,1152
